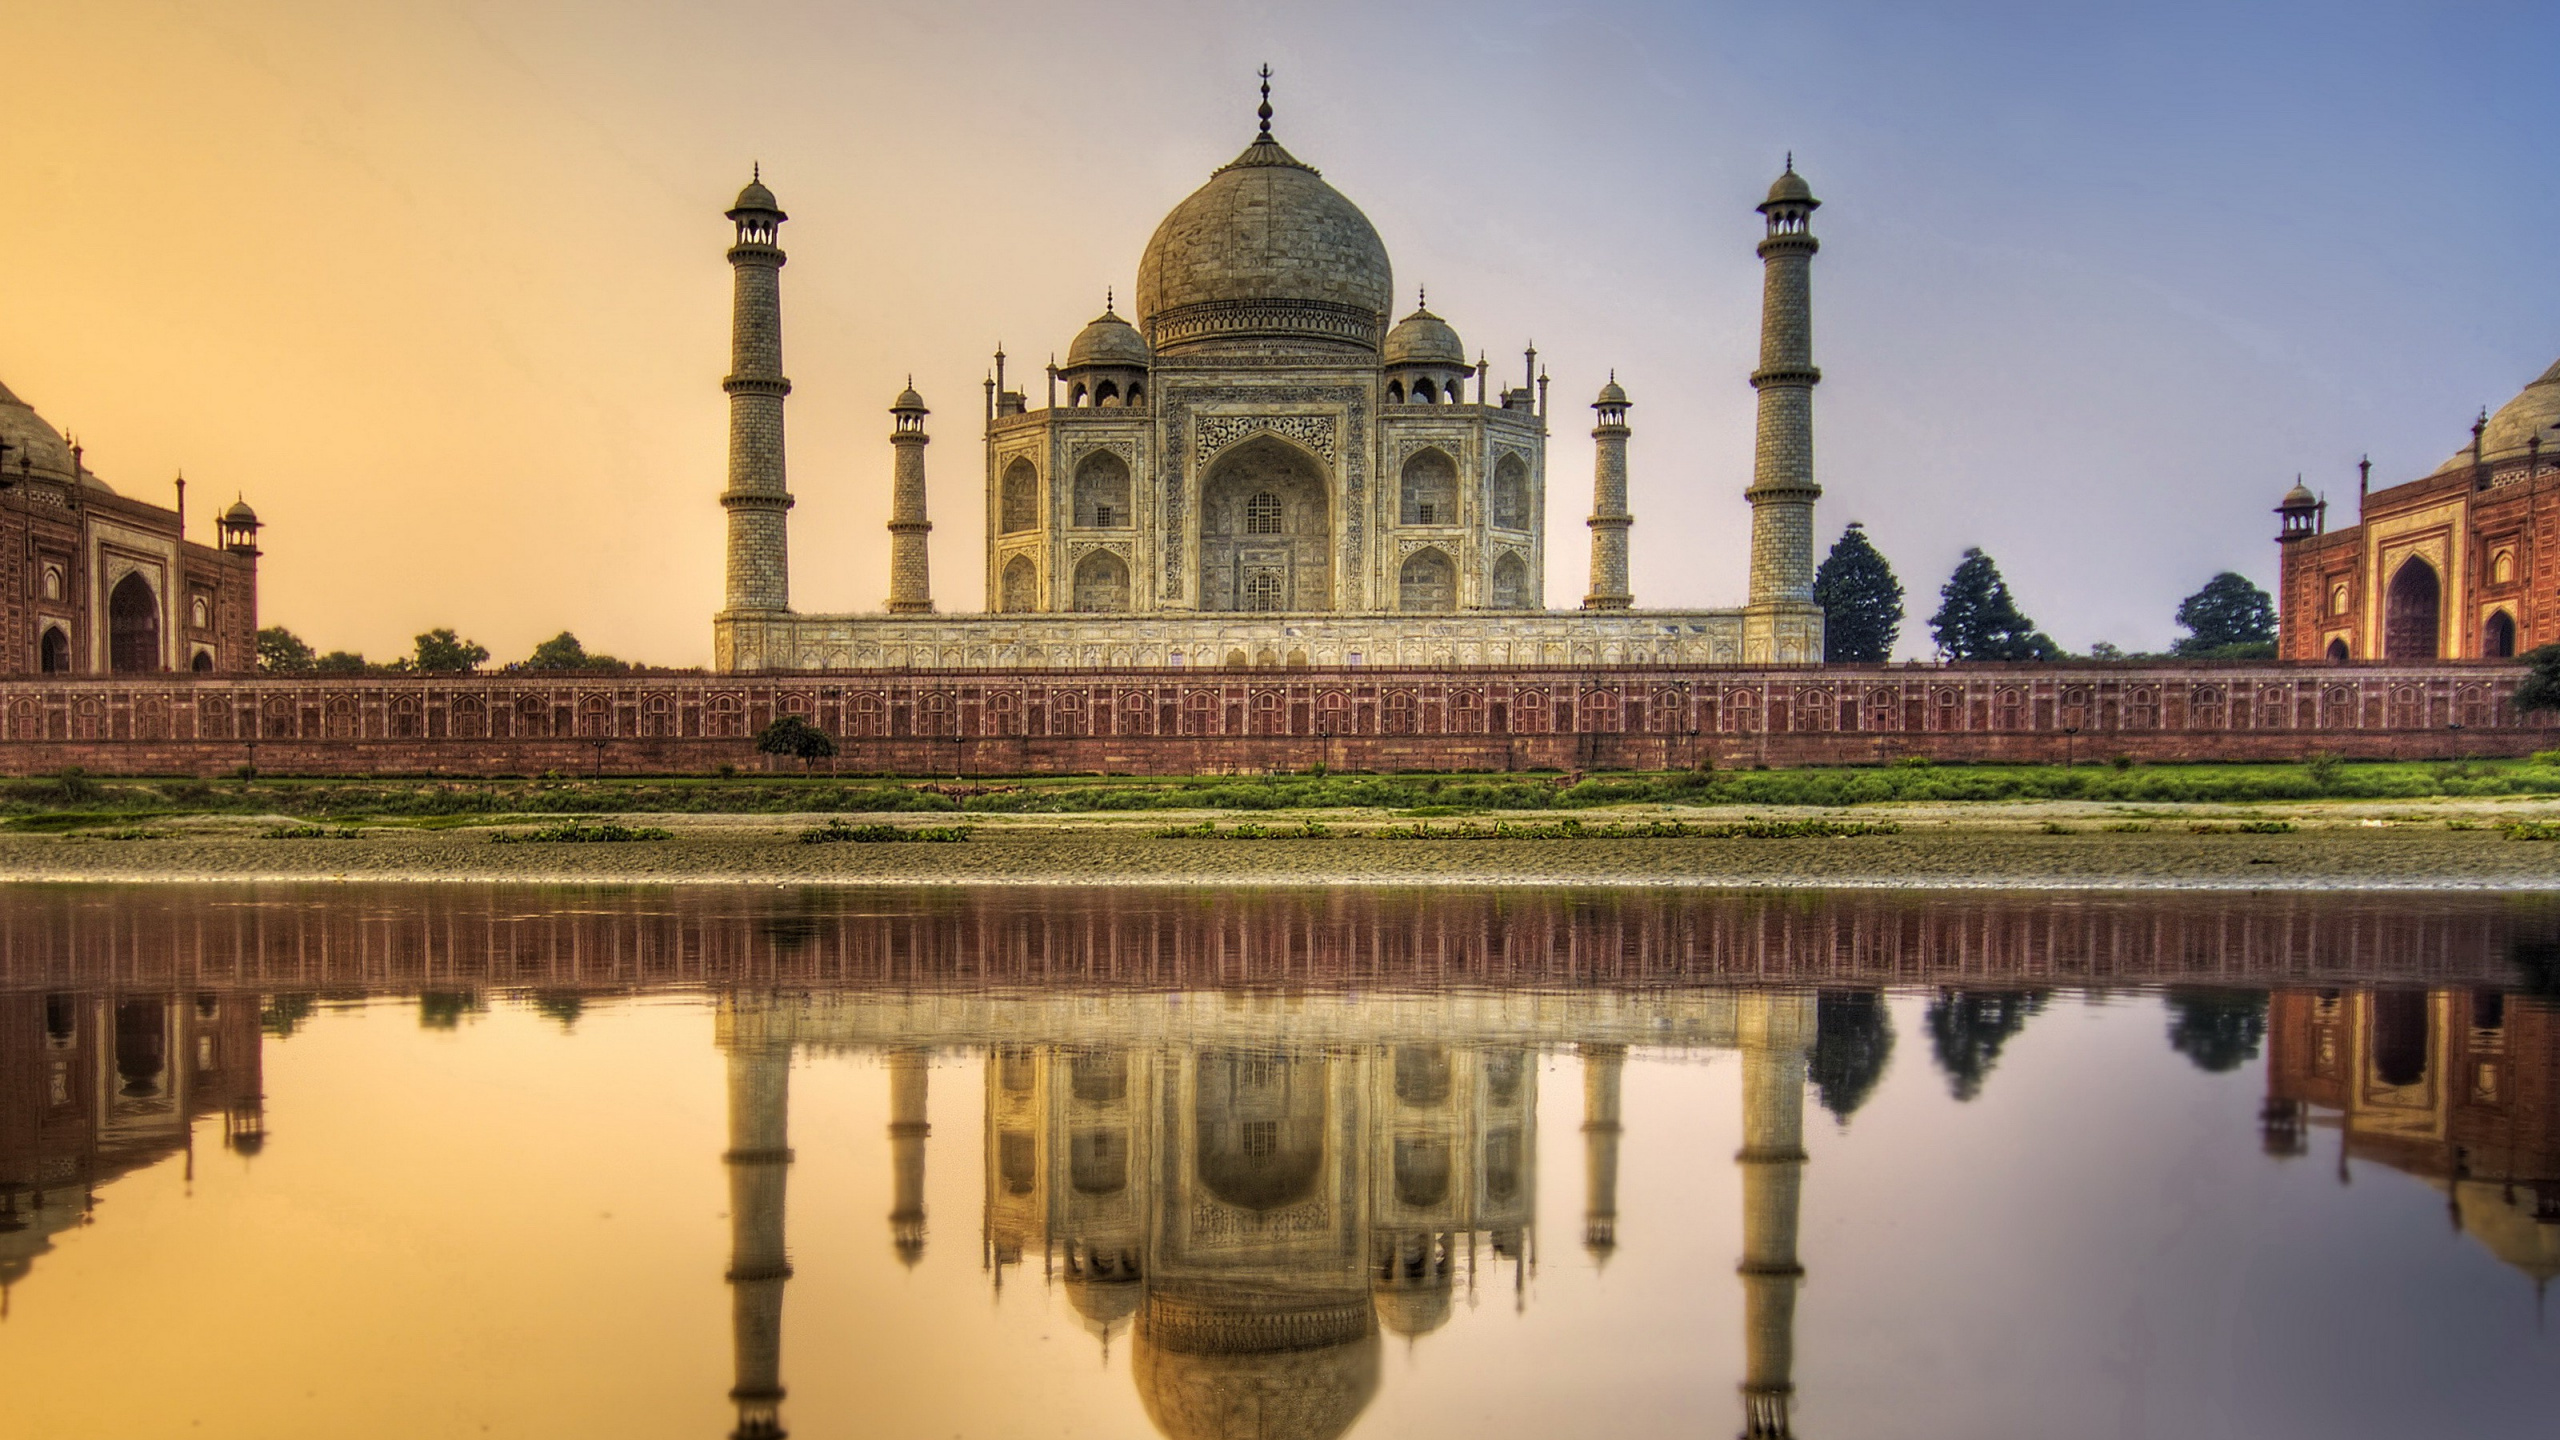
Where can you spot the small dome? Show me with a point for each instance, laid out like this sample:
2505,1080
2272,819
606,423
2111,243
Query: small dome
1423,338
1108,340
756,199
1413,1311
2535,410
1611,393
909,401
239,514
1790,189
2299,498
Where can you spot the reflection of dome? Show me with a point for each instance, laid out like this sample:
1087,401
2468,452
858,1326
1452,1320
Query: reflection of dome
1413,1311
1108,340
2535,409
2505,1223
1423,338
1255,1366
1104,1304
1266,250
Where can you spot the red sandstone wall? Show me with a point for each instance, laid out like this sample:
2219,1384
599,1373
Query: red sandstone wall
1172,722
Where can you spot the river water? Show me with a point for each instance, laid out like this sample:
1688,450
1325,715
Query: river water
466,1160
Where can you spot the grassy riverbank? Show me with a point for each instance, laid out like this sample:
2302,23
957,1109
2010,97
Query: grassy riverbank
74,802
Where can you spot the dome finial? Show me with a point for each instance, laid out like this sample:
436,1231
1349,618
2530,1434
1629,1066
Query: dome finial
1791,162
1265,109
755,171
1106,299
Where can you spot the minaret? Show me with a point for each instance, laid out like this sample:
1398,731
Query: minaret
1781,622
759,497
759,1162
908,1069
1601,1068
910,587
1776,1031
1609,517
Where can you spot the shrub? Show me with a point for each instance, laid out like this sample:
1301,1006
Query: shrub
573,832
836,832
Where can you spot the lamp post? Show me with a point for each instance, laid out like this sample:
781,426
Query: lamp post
2070,734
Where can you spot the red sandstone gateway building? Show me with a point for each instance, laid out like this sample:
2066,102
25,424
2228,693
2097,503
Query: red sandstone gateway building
2443,567
97,583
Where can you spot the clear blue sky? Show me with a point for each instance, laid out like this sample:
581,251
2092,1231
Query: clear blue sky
441,287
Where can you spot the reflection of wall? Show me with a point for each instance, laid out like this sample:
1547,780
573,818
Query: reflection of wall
94,1086
2459,1087
927,943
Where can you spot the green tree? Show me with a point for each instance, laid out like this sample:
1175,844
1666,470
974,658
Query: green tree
1852,1041
1861,601
1968,1028
793,735
2540,687
2220,1030
1978,619
341,662
563,652
281,652
442,652
2229,619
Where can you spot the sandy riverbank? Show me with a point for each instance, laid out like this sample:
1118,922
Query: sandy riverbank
2007,847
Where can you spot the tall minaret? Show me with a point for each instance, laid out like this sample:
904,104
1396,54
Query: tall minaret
1781,622
1609,517
910,587
908,1067
759,496
759,1162
1601,1069
1776,1030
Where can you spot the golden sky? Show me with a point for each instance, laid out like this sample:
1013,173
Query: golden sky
439,286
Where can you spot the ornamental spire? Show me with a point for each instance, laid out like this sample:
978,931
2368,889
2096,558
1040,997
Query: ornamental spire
1265,109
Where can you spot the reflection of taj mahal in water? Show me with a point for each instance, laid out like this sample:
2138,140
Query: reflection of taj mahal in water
1256,1217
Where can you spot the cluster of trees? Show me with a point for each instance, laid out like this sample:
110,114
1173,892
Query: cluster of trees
1978,617
437,652
2217,1030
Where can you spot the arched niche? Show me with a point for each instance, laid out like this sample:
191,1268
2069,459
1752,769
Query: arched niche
133,627
1427,583
1259,1127
2498,636
1102,583
53,651
1511,583
2412,612
1511,493
1102,490
1019,498
1429,493
1266,531
1019,594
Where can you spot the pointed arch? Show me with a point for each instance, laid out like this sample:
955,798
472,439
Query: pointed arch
2413,612
1429,494
1019,592
1018,504
1428,582
1511,493
1511,583
1102,583
2498,636
133,627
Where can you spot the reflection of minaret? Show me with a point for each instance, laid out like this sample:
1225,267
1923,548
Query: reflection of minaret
759,1162
908,1068
1601,1065
1775,1031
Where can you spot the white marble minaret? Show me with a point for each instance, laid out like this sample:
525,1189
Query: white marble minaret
759,495
1609,517
910,585
1781,623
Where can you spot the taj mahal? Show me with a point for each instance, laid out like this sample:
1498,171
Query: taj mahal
1260,467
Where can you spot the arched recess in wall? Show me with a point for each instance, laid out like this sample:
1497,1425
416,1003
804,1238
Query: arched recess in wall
1511,493
1102,583
1102,490
1266,529
1019,503
53,651
1430,491
133,627
1428,582
1260,1119
2338,652
1511,583
2412,612
2498,636
1019,594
